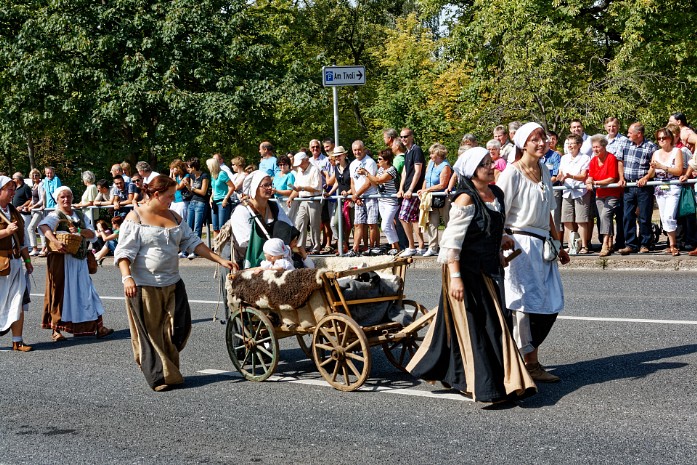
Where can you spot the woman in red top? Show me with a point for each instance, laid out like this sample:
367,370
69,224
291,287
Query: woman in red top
601,172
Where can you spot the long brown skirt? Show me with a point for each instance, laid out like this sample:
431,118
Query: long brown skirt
160,323
470,347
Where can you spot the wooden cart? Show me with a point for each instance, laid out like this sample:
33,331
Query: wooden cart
339,346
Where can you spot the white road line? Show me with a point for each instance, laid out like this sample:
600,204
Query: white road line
322,383
561,317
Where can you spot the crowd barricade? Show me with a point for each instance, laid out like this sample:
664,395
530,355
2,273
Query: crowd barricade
341,199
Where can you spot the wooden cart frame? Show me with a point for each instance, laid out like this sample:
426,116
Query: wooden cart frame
339,346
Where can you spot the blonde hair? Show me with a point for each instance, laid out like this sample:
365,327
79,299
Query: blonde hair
213,167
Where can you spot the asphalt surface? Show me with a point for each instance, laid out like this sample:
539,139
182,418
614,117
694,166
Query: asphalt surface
627,393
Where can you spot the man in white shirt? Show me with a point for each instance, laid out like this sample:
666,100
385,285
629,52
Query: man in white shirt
146,172
615,141
308,183
365,210
507,148
576,127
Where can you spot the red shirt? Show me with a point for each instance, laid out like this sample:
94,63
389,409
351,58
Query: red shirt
600,173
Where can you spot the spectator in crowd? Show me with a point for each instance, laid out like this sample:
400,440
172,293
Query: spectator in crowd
533,288
156,301
50,183
38,202
103,197
468,141
268,162
117,170
135,189
602,171
616,142
145,171
399,150
177,171
687,225
667,165
389,136
87,200
22,201
238,176
249,169
328,145
680,120
413,175
199,182
120,196
222,189
71,303
110,238
507,148
576,203
365,209
342,185
576,127
494,149
308,183
386,182
127,171
553,140
551,160
14,296
438,173
223,167
472,318
283,183
326,170
634,162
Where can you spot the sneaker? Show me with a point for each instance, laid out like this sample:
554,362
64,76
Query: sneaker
352,253
182,255
392,252
191,256
539,374
430,253
420,252
407,252
34,253
374,252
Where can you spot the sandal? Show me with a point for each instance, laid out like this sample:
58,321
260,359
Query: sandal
583,251
57,337
104,332
674,251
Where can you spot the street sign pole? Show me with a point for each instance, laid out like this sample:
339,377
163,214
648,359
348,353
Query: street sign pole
335,91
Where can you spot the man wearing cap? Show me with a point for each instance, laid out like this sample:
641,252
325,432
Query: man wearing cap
308,183
365,210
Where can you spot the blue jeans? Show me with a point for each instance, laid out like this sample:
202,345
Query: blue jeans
641,197
196,216
220,215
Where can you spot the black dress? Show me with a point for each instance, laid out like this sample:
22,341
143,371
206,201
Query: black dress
469,345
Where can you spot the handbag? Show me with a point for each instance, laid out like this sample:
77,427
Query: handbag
437,202
92,265
5,262
550,250
686,204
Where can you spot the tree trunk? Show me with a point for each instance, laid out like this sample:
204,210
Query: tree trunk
31,151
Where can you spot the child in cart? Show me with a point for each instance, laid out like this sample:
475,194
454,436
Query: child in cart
277,256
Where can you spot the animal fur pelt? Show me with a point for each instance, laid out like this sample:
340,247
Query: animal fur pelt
274,290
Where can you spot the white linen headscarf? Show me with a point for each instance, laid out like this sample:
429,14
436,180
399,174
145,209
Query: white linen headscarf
252,181
4,180
471,160
57,192
276,247
523,132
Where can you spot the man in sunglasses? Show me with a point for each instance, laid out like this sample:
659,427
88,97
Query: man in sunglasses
413,175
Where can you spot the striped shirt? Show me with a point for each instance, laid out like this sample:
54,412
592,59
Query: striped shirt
389,187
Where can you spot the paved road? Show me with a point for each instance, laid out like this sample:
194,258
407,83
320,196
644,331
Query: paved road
627,393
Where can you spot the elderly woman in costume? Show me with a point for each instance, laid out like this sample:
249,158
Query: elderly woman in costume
533,285
14,258
148,258
469,346
71,303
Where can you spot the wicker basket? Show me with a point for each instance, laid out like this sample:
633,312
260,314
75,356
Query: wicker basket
71,241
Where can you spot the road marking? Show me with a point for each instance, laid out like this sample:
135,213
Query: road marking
560,317
364,388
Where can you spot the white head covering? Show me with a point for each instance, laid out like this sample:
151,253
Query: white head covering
57,192
466,165
4,180
298,158
252,181
523,132
276,247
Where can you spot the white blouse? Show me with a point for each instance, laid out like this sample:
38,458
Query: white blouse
528,204
52,221
154,251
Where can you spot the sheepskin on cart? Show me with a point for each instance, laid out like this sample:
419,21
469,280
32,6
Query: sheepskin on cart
328,313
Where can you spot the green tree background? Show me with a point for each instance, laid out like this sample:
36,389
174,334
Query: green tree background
84,84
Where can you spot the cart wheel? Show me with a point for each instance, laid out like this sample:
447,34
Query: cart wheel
399,353
341,352
251,343
305,343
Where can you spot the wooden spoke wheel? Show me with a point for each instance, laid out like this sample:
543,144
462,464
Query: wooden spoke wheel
251,343
341,352
399,353
305,343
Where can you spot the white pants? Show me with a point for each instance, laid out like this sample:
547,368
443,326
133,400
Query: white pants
36,218
387,214
180,208
668,207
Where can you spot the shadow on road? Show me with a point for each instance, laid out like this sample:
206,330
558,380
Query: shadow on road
627,366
